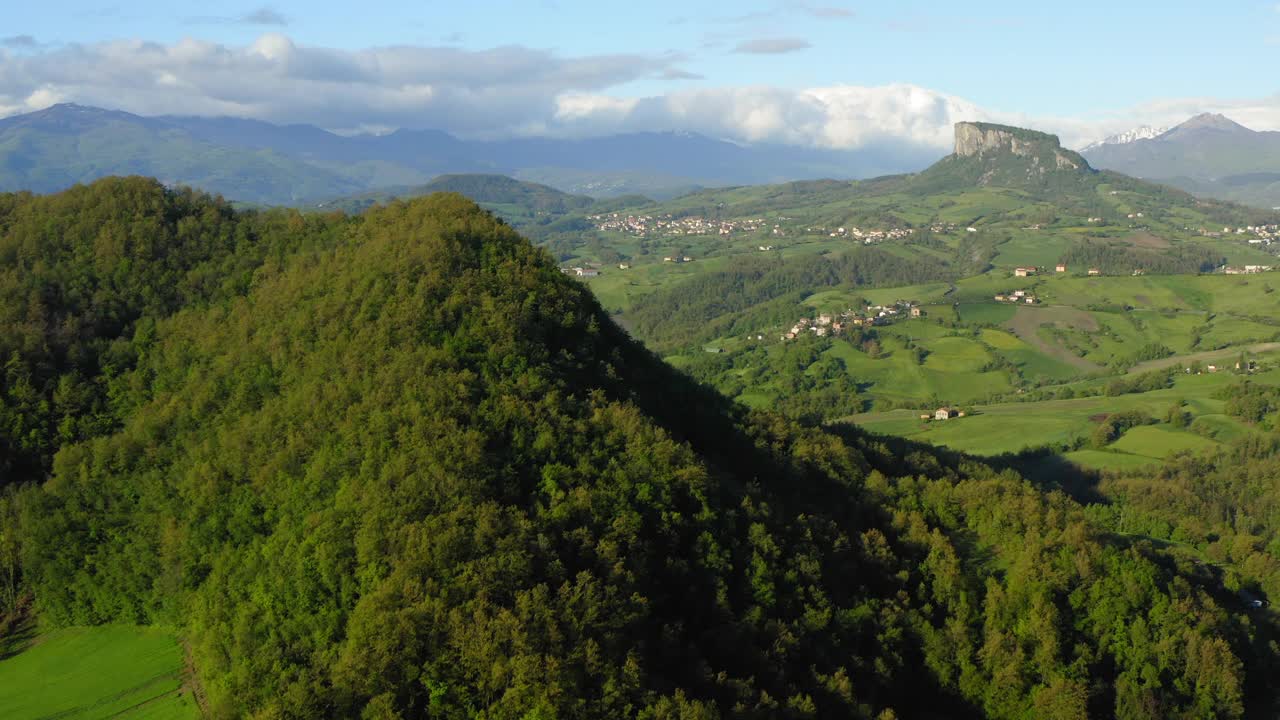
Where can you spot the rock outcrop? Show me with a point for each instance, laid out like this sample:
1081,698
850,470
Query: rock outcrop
1008,156
983,139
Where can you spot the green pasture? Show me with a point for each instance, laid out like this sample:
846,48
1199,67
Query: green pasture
1010,427
111,671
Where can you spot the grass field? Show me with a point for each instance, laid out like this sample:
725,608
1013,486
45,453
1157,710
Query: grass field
1010,427
113,671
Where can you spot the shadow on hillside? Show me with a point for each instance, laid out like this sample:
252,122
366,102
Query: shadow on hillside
1048,470
17,632
744,453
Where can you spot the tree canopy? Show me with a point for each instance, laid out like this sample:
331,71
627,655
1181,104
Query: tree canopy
400,466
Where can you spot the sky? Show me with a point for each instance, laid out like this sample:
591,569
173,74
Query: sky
826,73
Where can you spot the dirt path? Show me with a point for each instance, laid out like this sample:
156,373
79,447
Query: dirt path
1027,320
1203,356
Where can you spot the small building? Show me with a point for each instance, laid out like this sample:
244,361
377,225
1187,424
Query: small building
1024,271
1060,268
916,311
624,266
1095,271
1000,298
944,413
586,272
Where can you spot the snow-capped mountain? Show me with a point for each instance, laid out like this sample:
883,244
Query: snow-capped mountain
1146,132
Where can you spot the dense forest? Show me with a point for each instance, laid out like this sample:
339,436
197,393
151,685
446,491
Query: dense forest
399,466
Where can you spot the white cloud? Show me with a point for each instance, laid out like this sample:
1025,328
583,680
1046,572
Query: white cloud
486,92
509,91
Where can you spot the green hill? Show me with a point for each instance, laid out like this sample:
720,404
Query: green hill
400,466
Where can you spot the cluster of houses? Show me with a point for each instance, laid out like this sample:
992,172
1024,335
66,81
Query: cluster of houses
666,225
1259,234
867,237
874,315
1018,296
584,272
1247,269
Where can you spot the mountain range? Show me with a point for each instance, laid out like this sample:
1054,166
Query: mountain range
258,162
1208,155
1142,132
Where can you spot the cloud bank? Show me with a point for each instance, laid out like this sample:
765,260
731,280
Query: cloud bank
516,91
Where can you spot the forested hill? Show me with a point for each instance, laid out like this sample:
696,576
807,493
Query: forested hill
399,466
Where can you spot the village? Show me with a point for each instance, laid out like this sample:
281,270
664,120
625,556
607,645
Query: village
1261,234
868,237
668,226
874,315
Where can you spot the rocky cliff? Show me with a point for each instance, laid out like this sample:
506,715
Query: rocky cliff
1041,149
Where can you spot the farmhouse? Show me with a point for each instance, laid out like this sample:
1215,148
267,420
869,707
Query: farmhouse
1024,271
1060,268
944,413
585,272
1095,271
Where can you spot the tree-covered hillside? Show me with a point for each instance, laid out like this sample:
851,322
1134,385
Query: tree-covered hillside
399,466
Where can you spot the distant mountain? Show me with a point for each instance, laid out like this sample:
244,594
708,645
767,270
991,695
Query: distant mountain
258,162
1209,155
55,148
1144,132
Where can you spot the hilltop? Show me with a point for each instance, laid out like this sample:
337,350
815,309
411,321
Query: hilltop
401,466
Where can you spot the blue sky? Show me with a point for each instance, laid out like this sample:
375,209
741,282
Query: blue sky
1088,66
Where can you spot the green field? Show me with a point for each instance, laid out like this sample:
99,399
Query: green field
112,671
1011,427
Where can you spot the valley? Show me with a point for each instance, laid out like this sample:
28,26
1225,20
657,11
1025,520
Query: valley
1046,289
